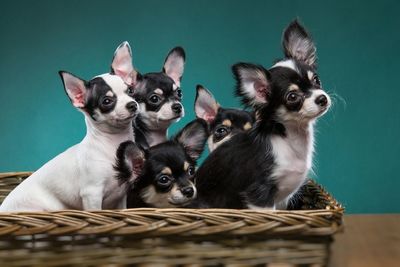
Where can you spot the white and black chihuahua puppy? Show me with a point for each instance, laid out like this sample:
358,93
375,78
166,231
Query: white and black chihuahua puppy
82,177
264,167
162,176
223,123
159,96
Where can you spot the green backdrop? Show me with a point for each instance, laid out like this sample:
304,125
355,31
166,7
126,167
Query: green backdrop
357,152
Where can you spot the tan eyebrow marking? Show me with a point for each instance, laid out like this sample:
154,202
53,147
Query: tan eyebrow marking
310,75
110,94
227,123
159,91
247,126
167,171
294,87
186,166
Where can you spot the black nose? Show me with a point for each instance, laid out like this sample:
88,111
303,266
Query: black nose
132,106
321,101
177,108
187,191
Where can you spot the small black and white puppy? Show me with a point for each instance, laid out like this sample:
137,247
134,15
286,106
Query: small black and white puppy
223,123
159,96
264,167
165,171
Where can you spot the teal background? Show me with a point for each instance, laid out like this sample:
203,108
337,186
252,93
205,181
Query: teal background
357,152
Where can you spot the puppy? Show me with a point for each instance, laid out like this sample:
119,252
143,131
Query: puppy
82,177
223,123
159,96
267,165
165,171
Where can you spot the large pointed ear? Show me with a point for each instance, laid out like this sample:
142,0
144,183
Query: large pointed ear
75,88
130,161
193,138
253,84
174,64
298,44
122,64
205,105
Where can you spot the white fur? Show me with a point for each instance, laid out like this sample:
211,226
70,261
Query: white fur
293,158
158,122
213,145
82,177
288,63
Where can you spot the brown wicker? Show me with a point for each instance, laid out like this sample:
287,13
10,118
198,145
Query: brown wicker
171,237
145,222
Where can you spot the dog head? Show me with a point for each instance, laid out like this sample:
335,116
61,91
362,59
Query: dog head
166,177
159,94
106,99
223,123
290,91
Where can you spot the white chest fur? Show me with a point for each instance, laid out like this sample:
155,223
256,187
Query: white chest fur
293,159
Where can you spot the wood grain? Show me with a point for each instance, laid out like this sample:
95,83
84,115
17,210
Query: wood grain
368,241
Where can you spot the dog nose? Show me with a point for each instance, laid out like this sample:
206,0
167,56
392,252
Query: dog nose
132,106
177,108
188,191
321,101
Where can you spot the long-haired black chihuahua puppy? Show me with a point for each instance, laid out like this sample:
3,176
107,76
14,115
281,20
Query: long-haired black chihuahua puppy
164,172
266,166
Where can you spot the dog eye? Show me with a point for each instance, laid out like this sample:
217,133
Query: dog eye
221,132
130,91
155,99
190,170
179,93
292,97
316,79
107,101
164,180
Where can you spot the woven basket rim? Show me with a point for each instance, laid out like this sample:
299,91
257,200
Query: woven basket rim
153,222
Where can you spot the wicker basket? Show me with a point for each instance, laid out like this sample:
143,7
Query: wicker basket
173,236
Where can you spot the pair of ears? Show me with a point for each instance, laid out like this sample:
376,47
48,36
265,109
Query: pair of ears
122,65
254,81
131,157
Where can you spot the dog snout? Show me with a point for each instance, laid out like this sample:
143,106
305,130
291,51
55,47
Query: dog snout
188,191
321,100
132,106
177,108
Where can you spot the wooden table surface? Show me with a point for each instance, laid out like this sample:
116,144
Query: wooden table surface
368,240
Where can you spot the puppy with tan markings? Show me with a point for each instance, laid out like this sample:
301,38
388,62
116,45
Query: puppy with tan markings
264,167
223,123
164,172
159,96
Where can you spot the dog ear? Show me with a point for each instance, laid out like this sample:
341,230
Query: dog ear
193,137
298,44
205,105
253,84
130,161
75,88
122,64
174,64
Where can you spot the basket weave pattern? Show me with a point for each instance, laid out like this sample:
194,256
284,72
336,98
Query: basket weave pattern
321,216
